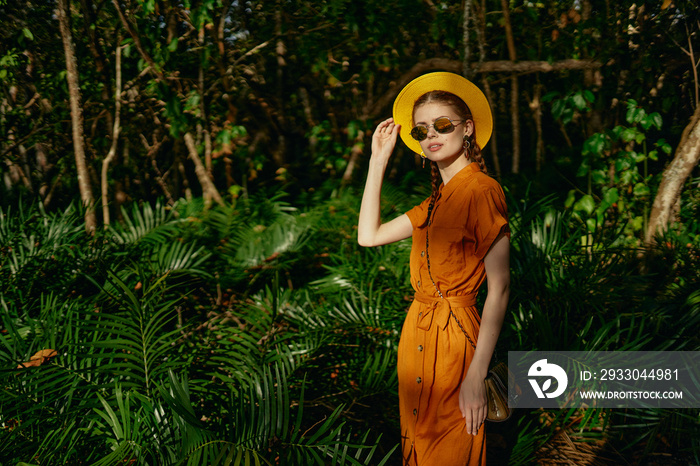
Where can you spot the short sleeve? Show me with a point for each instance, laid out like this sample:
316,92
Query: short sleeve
419,214
488,217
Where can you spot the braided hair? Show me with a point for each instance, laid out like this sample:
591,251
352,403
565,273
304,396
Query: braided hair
471,149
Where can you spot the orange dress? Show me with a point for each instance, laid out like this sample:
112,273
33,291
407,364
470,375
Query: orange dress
434,354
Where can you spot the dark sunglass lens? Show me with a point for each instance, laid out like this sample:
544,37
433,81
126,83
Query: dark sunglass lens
419,133
443,125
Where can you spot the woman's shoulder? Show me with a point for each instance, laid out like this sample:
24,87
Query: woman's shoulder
480,183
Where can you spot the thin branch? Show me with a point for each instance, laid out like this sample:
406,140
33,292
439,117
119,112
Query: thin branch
694,65
131,83
151,151
34,98
14,145
455,66
259,47
49,196
252,51
210,191
115,135
137,40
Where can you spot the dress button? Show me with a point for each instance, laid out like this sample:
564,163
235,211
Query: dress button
420,347
422,253
415,411
418,283
420,314
418,380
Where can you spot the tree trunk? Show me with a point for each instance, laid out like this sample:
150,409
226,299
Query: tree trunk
536,107
76,117
279,154
115,135
467,71
493,143
208,188
481,41
514,91
675,175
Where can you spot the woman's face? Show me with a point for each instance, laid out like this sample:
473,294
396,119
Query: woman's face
443,148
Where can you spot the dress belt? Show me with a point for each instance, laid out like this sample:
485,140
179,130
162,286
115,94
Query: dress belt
440,308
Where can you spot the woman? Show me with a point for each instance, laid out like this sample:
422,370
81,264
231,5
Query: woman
460,237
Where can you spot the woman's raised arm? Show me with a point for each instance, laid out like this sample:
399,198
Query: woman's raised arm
370,230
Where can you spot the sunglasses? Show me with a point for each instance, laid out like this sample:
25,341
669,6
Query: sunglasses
442,125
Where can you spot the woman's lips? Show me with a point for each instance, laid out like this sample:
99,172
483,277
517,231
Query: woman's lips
434,147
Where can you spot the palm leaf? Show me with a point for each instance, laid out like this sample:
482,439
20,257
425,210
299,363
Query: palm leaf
145,224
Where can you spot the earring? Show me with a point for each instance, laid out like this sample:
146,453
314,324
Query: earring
422,155
467,143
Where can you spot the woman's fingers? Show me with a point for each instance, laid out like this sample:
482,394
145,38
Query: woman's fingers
468,421
386,127
384,138
474,419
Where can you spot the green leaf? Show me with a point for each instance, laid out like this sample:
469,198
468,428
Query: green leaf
600,212
627,177
586,203
664,146
584,168
567,115
591,224
621,206
641,190
549,96
570,198
634,113
637,223
579,101
657,120
558,108
638,156
599,176
611,196
617,131
149,6
629,134
27,33
595,144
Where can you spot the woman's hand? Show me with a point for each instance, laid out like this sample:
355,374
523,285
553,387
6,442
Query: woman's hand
384,139
472,402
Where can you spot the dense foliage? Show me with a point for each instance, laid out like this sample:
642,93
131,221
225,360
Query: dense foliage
263,333
251,328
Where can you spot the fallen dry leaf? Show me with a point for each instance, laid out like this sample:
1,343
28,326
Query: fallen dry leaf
38,359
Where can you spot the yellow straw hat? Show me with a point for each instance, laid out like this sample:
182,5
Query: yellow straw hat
448,82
